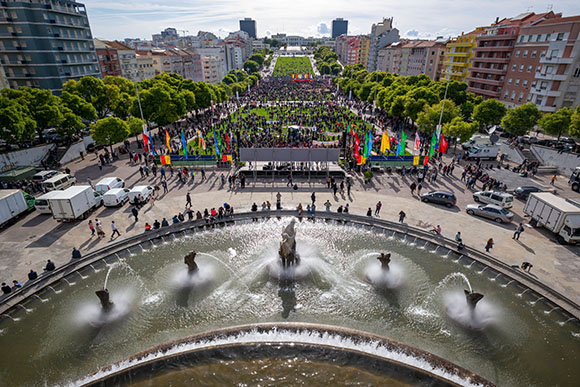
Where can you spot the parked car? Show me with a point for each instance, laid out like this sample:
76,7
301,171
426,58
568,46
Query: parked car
144,191
524,192
440,197
108,183
60,181
490,211
98,199
502,199
44,175
116,197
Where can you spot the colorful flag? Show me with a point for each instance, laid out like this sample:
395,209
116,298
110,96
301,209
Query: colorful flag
366,145
370,145
215,143
165,159
151,144
228,142
426,161
184,143
167,141
443,144
433,142
417,141
356,148
385,143
402,144
145,142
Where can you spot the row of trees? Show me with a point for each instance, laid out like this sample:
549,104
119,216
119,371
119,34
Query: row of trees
419,100
327,61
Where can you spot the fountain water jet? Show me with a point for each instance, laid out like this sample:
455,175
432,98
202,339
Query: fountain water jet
287,250
105,299
189,260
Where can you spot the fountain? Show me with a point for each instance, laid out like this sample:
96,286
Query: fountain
384,259
385,276
104,298
472,298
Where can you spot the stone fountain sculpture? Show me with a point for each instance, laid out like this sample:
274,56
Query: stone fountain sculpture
472,298
189,260
105,299
287,250
385,259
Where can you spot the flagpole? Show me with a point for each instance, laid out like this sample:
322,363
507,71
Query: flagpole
140,109
443,106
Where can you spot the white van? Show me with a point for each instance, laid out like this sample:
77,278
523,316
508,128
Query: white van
41,202
108,183
43,175
484,152
502,199
61,181
476,140
116,197
144,191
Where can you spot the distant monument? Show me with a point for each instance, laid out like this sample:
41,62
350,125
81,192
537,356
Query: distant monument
472,298
287,250
105,299
190,262
385,259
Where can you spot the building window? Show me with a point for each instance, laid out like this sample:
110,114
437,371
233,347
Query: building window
538,37
576,73
538,69
521,97
521,68
543,85
554,53
509,81
549,69
539,100
526,52
514,67
548,37
521,39
517,81
533,84
529,40
530,68
517,53
505,95
525,83
534,53
513,95
560,36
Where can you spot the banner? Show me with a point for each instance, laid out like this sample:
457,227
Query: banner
145,142
184,143
332,134
433,142
167,141
215,143
325,143
165,159
417,141
443,144
402,144
385,143
356,147
416,160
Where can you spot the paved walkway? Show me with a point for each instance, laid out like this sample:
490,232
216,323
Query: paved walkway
35,238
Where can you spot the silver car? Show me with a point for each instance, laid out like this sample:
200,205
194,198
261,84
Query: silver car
490,211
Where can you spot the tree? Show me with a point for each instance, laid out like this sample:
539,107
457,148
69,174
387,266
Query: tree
109,131
398,106
413,107
521,119
258,58
324,68
460,129
70,124
79,106
428,119
161,104
15,123
489,112
251,66
575,123
556,123
135,126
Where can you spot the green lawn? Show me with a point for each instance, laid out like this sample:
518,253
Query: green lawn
286,66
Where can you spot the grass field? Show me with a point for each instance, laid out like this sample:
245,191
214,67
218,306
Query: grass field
286,66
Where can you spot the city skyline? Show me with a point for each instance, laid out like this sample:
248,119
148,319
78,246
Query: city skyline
132,19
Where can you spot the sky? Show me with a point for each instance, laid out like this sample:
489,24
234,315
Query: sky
111,19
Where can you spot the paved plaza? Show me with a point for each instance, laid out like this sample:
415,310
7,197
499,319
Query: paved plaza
37,237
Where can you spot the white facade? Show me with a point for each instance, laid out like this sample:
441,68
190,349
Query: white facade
212,68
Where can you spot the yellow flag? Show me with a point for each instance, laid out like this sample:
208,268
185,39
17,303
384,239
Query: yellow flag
385,143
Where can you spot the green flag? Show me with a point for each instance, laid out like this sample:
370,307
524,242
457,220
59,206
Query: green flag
365,152
432,148
402,143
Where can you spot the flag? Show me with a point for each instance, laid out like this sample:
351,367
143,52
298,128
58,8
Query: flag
184,143
443,144
417,141
426,161
212,107
201,141
356,148
145,142
151,144
366,145
438,136
370,145
402,144
165,160
385,143
228,142
215,143
433,142
167,141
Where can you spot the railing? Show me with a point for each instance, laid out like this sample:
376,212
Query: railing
47,279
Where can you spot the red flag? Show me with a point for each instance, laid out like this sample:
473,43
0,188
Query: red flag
356,146
417,141
228,142
443,143
426,161
145,142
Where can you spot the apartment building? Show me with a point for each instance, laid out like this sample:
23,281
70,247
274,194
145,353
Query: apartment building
458,54
212,69
108,57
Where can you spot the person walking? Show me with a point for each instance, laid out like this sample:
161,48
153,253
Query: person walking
489,244
348,186
327,205
313,197
413,186
553,180
92,228
378,208
519,230
188,200
164,185
402,216
370,212
419,187
115,230
135,213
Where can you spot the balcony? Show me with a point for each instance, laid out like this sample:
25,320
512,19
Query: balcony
551,77
462,54
556,60
545,92
489,93
490,60
486,70
455,64
496,37
494,48
491,82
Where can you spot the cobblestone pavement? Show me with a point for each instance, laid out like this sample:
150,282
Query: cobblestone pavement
36,237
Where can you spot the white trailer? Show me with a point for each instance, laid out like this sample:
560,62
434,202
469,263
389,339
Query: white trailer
557,214
12,204
73,203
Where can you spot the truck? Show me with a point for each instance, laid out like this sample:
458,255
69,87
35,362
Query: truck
557,214
476,140
574,181
13,203
483,152
73,203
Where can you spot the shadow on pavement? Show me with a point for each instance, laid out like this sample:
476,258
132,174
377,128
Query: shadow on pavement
38,219
53,235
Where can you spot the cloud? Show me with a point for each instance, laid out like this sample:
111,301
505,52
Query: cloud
323,29
413,33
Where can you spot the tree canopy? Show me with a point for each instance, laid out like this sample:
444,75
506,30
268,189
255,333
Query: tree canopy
556,123
521,119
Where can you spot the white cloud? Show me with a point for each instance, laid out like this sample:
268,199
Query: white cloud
323,29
